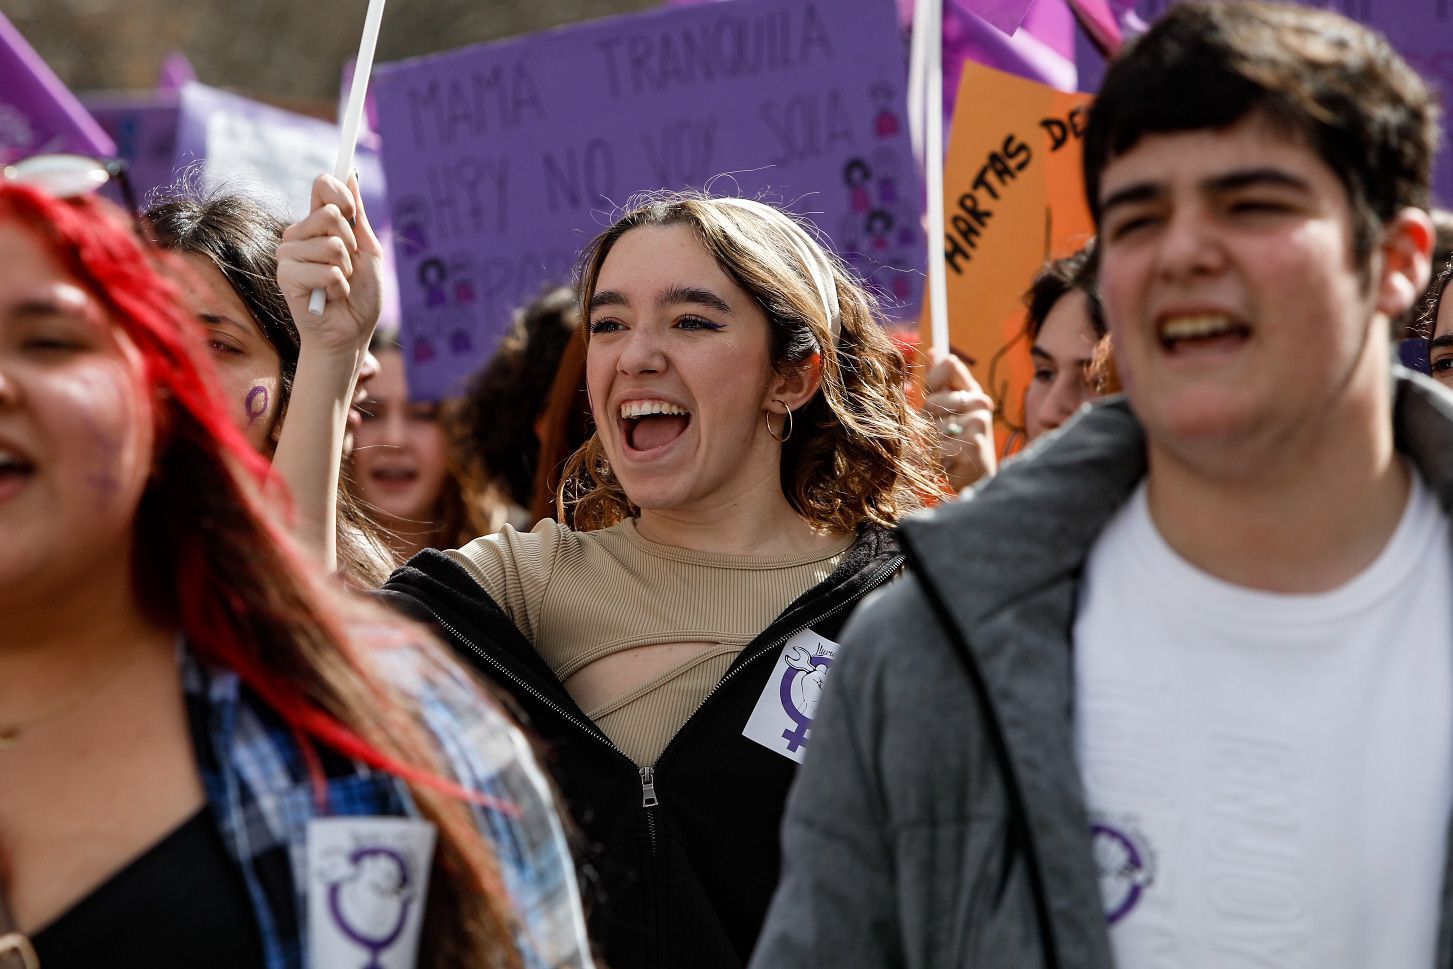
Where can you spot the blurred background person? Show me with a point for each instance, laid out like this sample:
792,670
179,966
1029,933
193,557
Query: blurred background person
400,464
1073,364
1065,323
1438,324
494,429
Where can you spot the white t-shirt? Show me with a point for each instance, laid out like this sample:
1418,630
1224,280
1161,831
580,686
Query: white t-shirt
1269,777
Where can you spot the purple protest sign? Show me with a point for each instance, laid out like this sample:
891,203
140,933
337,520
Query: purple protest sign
504,159
37,112
144,127
1421,30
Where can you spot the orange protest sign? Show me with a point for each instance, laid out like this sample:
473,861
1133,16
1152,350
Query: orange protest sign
1013,197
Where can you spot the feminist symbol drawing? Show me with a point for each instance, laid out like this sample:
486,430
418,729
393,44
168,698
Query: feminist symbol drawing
782,718
370,876
375,891
801,689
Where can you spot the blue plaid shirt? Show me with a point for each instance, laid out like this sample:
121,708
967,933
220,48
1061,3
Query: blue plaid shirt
262,797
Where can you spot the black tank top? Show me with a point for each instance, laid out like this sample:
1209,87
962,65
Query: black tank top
182,903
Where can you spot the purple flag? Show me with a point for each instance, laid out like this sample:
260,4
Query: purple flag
37,112
144,127
1006,15
176,70
1420,30
504,159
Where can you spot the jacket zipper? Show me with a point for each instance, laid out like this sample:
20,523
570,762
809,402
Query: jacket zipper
589,728
647,774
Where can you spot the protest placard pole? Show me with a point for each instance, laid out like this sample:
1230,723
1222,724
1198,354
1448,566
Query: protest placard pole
353,116
931,118
918,77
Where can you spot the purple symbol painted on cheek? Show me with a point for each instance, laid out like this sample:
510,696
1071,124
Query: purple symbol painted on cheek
108,445
256,404
376,888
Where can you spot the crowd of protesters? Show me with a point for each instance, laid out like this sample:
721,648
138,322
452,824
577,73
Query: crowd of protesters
1174,686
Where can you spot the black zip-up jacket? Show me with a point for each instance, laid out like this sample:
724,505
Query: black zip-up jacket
680,857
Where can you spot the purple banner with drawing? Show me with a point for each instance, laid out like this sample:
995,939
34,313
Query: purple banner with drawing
504,159
37,112
1421,30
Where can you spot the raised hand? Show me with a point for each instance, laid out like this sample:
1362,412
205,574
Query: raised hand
964,415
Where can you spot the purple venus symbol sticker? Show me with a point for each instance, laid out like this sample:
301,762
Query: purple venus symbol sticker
373,894
800,690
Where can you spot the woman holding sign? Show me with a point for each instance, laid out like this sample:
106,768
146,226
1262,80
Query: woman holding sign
205,745
753,446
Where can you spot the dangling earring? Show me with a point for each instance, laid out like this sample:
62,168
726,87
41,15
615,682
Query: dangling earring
786,424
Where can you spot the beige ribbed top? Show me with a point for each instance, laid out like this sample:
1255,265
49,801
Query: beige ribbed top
579,596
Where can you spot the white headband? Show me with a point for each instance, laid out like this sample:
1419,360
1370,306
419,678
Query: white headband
808,250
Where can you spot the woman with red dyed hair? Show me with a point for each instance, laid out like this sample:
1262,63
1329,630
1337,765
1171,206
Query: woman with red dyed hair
188,714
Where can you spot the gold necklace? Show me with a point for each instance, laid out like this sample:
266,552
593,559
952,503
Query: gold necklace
12,733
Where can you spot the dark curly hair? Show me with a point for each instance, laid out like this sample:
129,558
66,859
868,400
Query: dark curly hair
491,427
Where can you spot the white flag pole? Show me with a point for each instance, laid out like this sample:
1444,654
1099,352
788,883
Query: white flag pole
933,172
353,115
918,76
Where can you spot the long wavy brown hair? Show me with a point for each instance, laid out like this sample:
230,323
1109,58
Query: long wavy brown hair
211,562
859,451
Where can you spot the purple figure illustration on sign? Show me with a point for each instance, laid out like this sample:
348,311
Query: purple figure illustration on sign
801,689
850,238
885,122
433,277
410,214
885,168
424,350
460,342
369,899
880,227
461,274
856,176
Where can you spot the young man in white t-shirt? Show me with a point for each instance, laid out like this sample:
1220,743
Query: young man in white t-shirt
1177,690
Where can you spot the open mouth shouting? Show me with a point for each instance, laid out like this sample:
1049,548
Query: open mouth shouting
648,425
16,470
393,476
1191,333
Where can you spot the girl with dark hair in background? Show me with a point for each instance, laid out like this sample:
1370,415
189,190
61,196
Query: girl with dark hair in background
230,242
1068,343
401,465
495,428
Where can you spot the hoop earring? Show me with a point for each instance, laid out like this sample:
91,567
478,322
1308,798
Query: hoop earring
786,424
